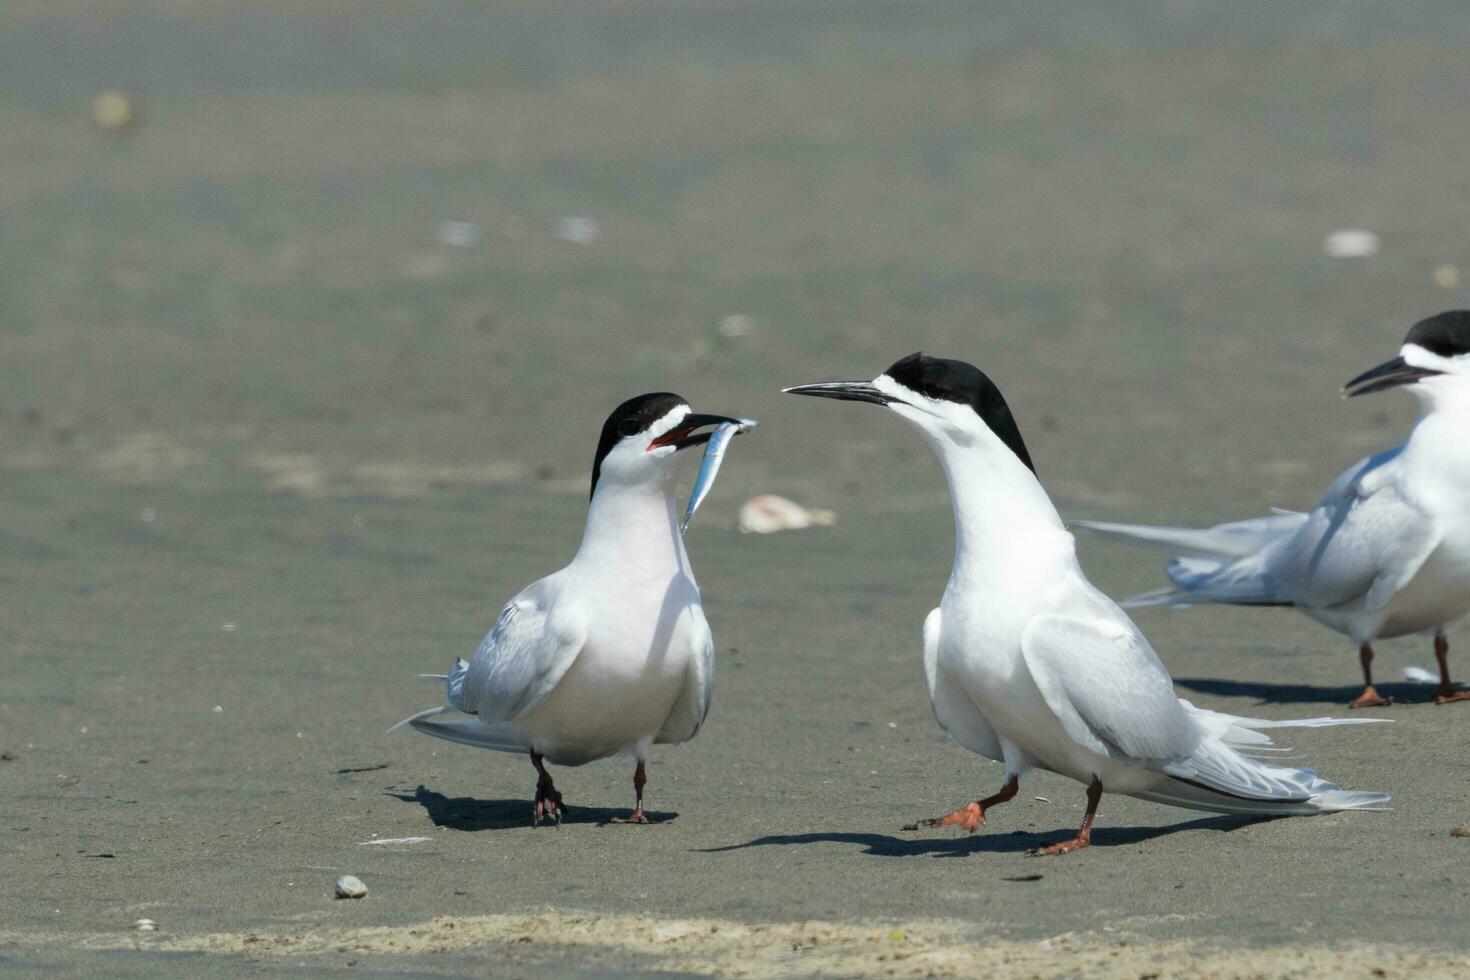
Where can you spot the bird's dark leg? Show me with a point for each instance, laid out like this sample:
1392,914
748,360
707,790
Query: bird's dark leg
548,800
1084,835
640,780
1447,692
972,816
1370,698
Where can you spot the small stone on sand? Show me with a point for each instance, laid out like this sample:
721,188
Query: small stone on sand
114,111
1460,831
350,886
146,925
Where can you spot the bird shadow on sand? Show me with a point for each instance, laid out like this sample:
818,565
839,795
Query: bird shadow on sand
470,813
960,845
1265,693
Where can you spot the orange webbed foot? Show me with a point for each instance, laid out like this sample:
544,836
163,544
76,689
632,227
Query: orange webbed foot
1062,847
1370,698
970,817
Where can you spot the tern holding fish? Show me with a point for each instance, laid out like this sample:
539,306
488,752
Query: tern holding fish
612,653
709,468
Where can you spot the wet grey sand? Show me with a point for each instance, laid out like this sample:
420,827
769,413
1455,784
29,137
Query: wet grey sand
269,445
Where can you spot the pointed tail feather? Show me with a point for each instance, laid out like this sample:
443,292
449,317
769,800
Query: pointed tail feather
1226,775
1219,564
1234,540
466,731
411,719
1326,721
1166,597
1244,582
1208,580
1238,730
1219,779
1195,796
1350,799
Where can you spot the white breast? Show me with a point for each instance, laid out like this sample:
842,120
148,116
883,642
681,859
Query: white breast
1438,594
623,684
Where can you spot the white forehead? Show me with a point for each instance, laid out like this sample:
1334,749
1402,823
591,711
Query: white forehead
909,395
667,421
1416,356
917,406
893,389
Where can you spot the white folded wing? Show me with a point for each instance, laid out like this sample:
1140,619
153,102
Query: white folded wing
518,663
1362,542
1104,682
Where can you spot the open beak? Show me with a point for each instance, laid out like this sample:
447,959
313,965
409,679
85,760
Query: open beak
848,391
1390,374
683,435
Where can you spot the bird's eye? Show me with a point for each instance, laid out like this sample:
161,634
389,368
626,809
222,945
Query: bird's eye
628,427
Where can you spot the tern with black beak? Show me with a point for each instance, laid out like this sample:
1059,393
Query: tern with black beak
1384,553
612,654
1028,664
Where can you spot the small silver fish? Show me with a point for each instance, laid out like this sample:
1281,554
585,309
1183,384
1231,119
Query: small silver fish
709,467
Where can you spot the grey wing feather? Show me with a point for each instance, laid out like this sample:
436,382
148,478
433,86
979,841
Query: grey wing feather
1225,563
1362,542
1107,686
524,655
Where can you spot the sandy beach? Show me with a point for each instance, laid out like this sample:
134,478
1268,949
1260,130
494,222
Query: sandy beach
302,370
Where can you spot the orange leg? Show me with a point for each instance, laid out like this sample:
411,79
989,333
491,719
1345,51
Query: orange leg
1370,698
548,800
1084,835
972,816
640,779
1447,692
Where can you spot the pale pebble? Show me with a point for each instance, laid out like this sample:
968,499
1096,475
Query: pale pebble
350,886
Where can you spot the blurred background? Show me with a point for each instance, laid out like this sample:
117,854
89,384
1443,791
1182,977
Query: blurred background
450,236
310,314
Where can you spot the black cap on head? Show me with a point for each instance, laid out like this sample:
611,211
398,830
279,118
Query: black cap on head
1447,334
957,381
630,418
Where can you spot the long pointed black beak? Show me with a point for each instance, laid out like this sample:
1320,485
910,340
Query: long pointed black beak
682,436
1389,374
848,391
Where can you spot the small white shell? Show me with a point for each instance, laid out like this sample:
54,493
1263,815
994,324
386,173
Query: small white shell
459,234
1418,675
1350,243
768,512
736,325
350,886
146,925
578,229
